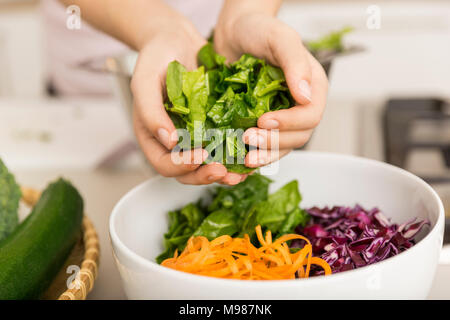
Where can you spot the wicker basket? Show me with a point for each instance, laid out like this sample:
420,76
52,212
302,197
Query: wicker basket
85,255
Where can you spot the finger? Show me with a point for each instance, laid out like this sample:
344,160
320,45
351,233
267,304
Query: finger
275,139
282,46
168,164
206,174
301,117
232,178
261,157
289,53
294,119
147,86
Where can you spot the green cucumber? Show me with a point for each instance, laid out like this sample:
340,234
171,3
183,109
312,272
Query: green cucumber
33,254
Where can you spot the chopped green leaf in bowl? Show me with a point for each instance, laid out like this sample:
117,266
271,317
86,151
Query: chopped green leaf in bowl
236,211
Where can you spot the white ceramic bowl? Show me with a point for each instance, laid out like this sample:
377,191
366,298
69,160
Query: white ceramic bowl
139,220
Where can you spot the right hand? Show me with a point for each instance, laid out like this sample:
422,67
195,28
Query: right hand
153,127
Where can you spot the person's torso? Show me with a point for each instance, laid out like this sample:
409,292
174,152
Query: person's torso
68,48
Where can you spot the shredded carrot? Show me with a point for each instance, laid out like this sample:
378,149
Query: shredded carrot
238,258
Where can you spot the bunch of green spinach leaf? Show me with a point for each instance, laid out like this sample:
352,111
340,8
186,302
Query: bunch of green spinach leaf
214,100
236,211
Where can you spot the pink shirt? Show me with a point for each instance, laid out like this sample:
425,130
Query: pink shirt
66,48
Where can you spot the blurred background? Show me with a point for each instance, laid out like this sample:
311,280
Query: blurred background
389,99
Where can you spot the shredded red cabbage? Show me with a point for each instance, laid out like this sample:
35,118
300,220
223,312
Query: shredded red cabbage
348,238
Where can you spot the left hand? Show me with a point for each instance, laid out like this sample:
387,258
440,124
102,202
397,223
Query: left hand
264,36
154,129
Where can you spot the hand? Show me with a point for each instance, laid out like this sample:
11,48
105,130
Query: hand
264,36
153,127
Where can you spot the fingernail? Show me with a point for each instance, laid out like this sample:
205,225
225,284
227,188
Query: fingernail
255,139
205,154
305,89
200,157
252,159
270,124
234,179
163,136
262,159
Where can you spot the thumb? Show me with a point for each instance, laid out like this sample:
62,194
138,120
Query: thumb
291,55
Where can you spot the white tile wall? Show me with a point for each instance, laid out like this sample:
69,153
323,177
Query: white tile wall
21,50
408,56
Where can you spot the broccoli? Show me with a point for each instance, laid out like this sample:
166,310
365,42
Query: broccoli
9,202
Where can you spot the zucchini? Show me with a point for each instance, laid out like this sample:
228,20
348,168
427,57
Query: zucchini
33,254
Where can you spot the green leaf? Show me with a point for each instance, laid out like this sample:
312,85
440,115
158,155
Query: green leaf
275,73
247,61
283,100
275,85
174,86
175,220
276,209
214,145
235,148
263,80
240,77
179,242
243,196
182,224
238,168
264,103
244,122
193,215
196,92
194,87
331,41
250,222
218,113
279,213
295,218
177,120
218,223
207,56
168,253
220,60
9,202
212,79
